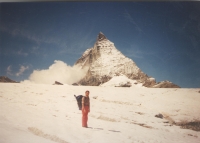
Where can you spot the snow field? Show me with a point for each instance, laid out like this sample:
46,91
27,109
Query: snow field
49,113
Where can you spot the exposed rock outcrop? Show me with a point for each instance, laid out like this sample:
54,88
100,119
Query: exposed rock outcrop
165,84
75,84
7,80
57,83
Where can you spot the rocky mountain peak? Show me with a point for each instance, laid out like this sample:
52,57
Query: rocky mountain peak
104,61
101,37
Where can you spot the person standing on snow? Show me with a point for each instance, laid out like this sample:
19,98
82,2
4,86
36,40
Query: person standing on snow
85,108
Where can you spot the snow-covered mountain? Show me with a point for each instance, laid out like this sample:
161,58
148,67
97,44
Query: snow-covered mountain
104,62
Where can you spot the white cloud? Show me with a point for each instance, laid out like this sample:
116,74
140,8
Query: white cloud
9,70
58,71
22,53
22,70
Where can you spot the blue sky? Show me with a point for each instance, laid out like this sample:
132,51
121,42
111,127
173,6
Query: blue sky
162,38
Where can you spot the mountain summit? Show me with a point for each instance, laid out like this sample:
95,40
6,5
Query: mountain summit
104,62
101,37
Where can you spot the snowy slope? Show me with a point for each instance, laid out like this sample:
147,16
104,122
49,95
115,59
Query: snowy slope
121,81
39,113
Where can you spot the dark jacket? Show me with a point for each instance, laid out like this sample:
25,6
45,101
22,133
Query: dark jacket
86,101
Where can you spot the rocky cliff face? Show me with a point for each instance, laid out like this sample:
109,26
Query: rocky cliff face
105,61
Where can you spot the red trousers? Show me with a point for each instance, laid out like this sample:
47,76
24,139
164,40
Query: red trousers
85,116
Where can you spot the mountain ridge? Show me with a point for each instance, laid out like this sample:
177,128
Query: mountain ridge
5,79
104,61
